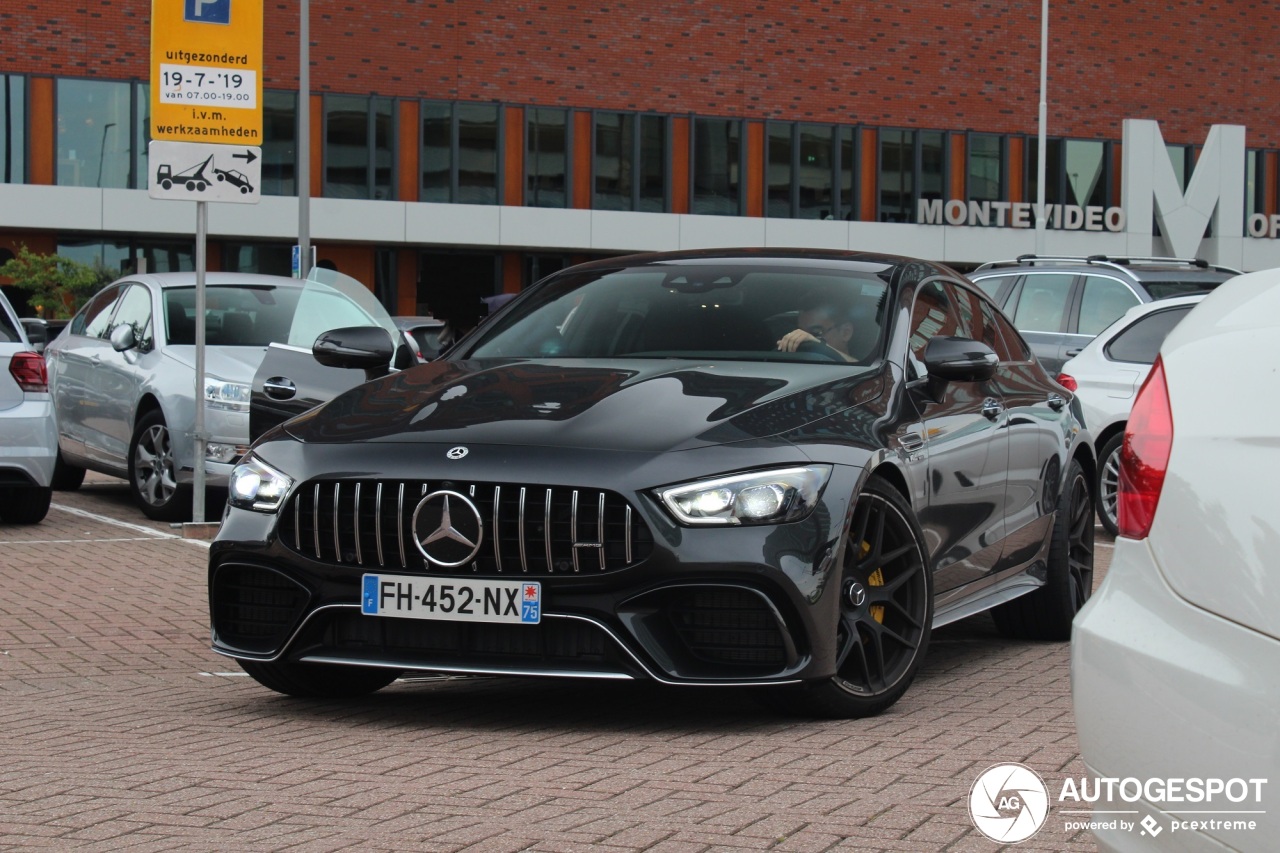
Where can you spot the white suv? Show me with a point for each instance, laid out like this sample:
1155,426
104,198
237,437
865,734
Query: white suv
28,437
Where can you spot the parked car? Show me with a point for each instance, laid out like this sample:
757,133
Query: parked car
123,375
28,447
1105,377
1060,303
770,468
422,334
1181,643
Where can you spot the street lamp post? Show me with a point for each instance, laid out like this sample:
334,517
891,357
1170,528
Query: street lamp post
1043,117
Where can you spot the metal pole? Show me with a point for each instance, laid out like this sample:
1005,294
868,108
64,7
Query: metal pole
1043,119
304,139
197,496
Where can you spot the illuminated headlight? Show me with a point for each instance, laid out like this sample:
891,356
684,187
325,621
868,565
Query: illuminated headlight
763,497
233,396
216,452
256,485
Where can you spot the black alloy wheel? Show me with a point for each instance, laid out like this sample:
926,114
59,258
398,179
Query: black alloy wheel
318,680
1046,614
886,610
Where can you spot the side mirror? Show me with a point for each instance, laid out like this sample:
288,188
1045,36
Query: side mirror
122,338
367,348
953,359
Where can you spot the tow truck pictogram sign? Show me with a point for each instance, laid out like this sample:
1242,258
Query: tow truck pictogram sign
193,171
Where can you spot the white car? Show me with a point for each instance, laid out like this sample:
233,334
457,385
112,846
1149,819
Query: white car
1175,661
1105,377
28,439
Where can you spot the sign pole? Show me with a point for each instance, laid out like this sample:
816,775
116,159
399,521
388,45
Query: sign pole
304,140
197,496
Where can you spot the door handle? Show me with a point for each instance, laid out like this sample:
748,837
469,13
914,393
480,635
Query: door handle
1056,402
991,408
279,388
1072,353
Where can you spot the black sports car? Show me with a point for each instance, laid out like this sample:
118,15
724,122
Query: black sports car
745,467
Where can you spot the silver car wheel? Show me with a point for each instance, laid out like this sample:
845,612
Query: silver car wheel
153,466
1109,483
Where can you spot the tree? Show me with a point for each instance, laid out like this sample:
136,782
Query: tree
57,286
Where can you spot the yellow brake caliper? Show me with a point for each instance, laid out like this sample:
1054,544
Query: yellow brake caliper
876,578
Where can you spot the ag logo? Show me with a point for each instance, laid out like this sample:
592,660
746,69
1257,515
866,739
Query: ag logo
456,453
1009,803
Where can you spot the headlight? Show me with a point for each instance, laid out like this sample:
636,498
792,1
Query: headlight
763,497
219,394
256,485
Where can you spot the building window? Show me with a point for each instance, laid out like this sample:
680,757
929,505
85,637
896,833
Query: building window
1255,183
13,129
984,177
279,143
119,255
264,258
547,155
460,145
629,167
359,135
913,166
94,145
779,183
1053,171
1085,165
716,166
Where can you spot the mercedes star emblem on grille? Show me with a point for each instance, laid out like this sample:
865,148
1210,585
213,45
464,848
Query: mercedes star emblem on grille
456,453
447,529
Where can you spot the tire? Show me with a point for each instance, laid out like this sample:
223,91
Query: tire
1109,482
1046,614
153,476
886,612
319,680
66,477
26,506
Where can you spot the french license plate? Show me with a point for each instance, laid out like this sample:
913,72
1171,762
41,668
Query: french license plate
455,599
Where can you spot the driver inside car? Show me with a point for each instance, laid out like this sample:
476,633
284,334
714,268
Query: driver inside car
822,322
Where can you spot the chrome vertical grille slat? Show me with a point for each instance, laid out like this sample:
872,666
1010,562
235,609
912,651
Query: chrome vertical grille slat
332,522
359,557
337,543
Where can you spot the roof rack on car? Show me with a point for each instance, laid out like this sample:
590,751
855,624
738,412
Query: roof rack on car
1104,260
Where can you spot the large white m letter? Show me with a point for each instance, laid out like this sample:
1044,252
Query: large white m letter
1215,191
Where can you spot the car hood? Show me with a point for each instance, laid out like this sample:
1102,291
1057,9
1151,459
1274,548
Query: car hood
234,364
637,405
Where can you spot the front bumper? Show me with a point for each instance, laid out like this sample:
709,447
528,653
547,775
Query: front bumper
680,605
1166,690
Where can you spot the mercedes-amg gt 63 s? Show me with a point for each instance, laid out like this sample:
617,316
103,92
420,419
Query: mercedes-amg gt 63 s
764,468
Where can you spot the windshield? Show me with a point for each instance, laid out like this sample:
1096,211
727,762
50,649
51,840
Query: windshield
235,315
698,311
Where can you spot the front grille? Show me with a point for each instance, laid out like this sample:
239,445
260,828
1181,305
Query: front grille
255,608
527,529
727,626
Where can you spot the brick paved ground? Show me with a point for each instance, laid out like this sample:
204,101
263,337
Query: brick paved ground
120,730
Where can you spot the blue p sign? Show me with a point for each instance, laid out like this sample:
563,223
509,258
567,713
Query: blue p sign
207,11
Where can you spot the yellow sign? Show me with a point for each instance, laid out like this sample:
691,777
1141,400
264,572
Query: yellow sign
206,71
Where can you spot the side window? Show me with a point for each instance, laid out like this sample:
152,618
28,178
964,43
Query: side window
933,315
993,285
93,320
1105,300
1141,342
319,311
8,329
135,310
1042,305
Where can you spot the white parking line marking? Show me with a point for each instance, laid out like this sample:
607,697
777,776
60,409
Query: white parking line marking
72,541
95,517
155,534
224,674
